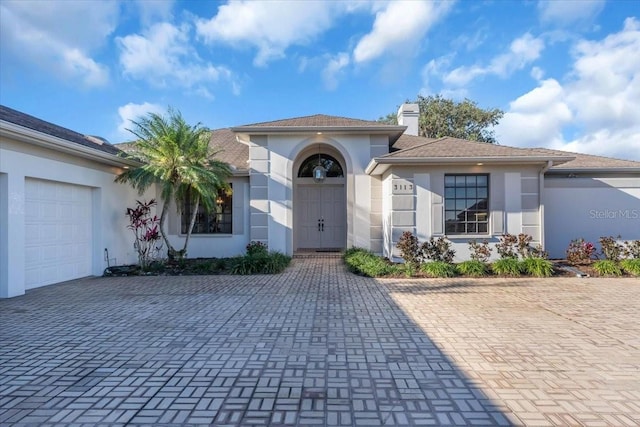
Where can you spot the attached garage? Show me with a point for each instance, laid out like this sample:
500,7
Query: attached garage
590,197
58,232
59,205
590,208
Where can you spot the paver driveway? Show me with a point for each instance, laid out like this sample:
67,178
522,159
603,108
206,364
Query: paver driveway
317,345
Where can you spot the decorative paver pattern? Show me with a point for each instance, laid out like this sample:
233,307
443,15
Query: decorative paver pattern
319,346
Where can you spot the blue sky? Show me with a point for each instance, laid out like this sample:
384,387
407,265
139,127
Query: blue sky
566,73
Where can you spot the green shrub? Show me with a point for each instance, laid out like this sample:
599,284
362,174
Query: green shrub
473,268
631,266
155,267
366,263
439,269
255,248
203,267
507,267
275,262
351,251
269,263
242,265
607,267
538,267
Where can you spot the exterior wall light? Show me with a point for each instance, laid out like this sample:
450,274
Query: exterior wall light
319,174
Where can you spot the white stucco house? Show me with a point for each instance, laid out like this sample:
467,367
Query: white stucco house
315,183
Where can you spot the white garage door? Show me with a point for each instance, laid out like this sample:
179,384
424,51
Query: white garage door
57,232
589,209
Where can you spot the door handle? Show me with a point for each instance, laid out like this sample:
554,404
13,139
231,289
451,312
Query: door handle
319,226
322,225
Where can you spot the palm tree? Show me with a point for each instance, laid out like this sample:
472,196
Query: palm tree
176,157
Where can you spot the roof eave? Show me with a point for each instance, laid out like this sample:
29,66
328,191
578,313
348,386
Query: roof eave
374,166
240,172
30,136
394,131
557,171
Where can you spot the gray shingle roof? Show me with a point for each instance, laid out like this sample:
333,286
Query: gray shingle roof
448,147
406,146
229,150
223,141
21,119
589,161
408,141
319,120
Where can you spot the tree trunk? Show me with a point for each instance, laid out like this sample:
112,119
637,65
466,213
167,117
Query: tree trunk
194,214
170,249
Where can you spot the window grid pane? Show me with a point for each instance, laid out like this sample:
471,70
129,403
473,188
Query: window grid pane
466,204
218,221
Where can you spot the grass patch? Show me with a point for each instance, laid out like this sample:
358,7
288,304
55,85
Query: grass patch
537,267
631,266
607,267
507,267
439,269
473,268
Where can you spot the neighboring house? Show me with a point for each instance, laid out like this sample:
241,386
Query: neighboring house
316,183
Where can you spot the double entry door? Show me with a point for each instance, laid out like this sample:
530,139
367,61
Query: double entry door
321,216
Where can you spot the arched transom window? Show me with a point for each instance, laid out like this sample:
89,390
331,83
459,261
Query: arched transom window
330,164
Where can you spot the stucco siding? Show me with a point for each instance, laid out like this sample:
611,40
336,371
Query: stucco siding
513,204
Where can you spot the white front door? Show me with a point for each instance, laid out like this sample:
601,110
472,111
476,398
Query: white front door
321,216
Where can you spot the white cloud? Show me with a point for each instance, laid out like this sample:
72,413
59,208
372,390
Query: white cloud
132,111
154,10
399,27
270,26
163,56
522,51
59,37
565,13
434,68
599,103
333,69
536,118
537,73
606,89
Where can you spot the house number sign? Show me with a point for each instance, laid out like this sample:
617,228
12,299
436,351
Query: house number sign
402,186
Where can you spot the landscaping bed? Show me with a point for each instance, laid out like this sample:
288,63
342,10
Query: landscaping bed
257,260
434,258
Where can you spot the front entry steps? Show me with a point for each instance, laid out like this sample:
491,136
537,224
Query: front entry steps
318,253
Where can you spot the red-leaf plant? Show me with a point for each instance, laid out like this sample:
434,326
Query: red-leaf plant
148,241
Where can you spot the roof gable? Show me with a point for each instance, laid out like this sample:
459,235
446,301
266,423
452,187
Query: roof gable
318,120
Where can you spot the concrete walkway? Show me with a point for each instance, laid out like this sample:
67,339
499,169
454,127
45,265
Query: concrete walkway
319,346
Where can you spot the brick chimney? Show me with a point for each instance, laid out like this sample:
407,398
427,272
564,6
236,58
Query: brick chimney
408,116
